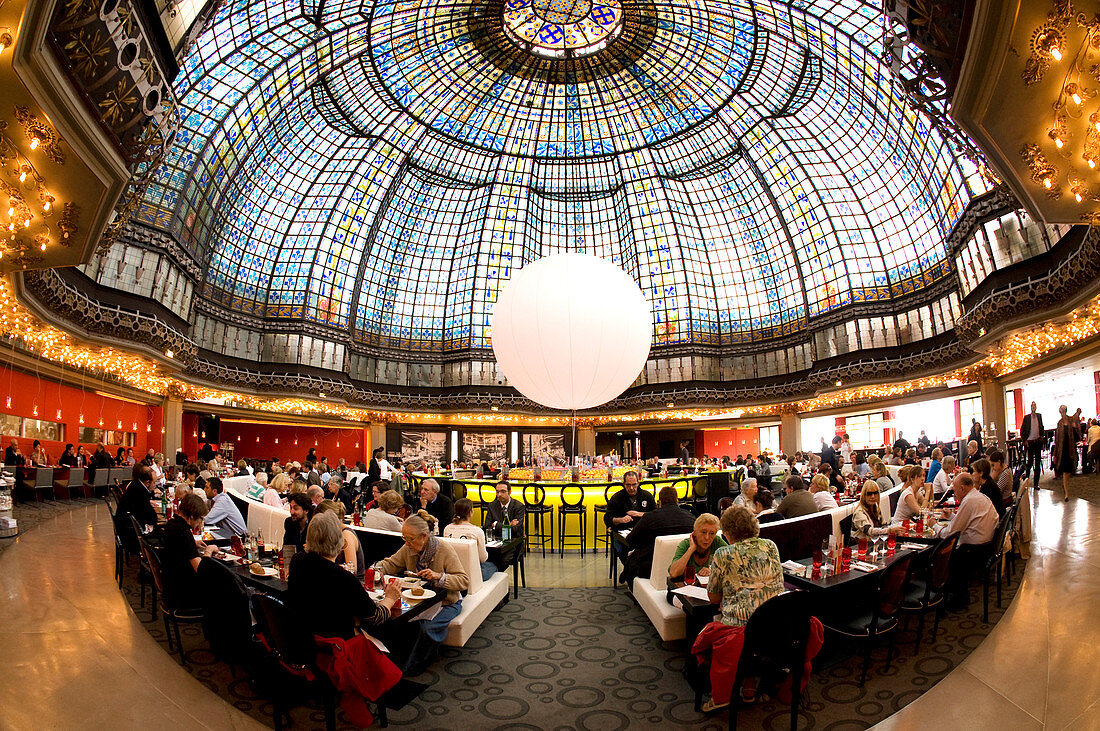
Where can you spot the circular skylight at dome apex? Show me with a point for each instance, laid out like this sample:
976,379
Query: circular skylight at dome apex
563,28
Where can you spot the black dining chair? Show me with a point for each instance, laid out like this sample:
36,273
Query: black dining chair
120,547
572,503
995,562
882,618
535,510
776,637
145,571
291,648
173,614
927,592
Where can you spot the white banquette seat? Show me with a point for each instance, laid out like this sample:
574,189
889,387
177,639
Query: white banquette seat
651,593
481,598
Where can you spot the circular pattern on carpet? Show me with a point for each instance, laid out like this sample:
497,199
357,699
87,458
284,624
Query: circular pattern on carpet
605,669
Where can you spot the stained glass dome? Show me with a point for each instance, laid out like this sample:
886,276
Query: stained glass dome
561,28
380,168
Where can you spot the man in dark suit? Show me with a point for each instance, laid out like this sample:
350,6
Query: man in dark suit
625,508
829,454
902,443
136,500
12,455
1031,431
504,508
667,520
438,505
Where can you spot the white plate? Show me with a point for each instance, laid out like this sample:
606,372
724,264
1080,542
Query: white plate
267,574
428,594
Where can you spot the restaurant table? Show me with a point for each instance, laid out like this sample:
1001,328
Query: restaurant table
509,553
278,588
846,579
698,613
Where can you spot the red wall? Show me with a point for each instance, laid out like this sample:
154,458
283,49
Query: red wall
244,436
26,391
745,442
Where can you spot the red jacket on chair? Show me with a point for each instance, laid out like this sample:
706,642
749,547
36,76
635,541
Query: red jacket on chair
724,644
359,671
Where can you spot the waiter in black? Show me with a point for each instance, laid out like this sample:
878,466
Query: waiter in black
625,508
1031,430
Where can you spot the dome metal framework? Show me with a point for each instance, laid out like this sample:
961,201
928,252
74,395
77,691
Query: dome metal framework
382,167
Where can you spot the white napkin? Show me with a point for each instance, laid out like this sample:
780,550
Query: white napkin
864,566
696,591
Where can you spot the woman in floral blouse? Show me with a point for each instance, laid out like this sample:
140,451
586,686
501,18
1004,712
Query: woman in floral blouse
747,572
743,575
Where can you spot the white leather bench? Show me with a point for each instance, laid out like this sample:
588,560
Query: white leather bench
651,593
481,598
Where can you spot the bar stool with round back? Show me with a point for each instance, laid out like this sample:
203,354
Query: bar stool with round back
601,533
699,496
535,507
576,508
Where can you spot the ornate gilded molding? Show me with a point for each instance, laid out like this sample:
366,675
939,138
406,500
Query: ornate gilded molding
1078,272
56,294
111,61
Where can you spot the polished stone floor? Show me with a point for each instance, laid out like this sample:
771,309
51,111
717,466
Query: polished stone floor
74,655
1037,668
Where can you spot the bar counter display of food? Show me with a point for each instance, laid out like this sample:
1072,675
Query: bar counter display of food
596,491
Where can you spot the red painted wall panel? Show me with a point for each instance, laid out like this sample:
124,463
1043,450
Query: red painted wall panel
717,442
258,441
27,391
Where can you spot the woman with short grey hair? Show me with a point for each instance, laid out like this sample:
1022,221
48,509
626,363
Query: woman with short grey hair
331,601
436,562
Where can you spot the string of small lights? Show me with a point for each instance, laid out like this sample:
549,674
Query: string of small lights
48,343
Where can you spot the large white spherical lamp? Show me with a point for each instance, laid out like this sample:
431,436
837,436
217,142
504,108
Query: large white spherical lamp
571,331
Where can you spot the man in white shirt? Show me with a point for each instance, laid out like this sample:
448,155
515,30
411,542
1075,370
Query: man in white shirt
975,521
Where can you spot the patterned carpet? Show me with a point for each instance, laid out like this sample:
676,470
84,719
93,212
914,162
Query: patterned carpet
589,659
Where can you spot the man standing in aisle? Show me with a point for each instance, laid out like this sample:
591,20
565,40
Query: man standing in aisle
829,455
1032,432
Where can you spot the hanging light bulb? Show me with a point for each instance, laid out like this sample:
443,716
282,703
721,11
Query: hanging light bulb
34,143
148,428
1047,183
9,402
1056,53
34,411
82,418
59,414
